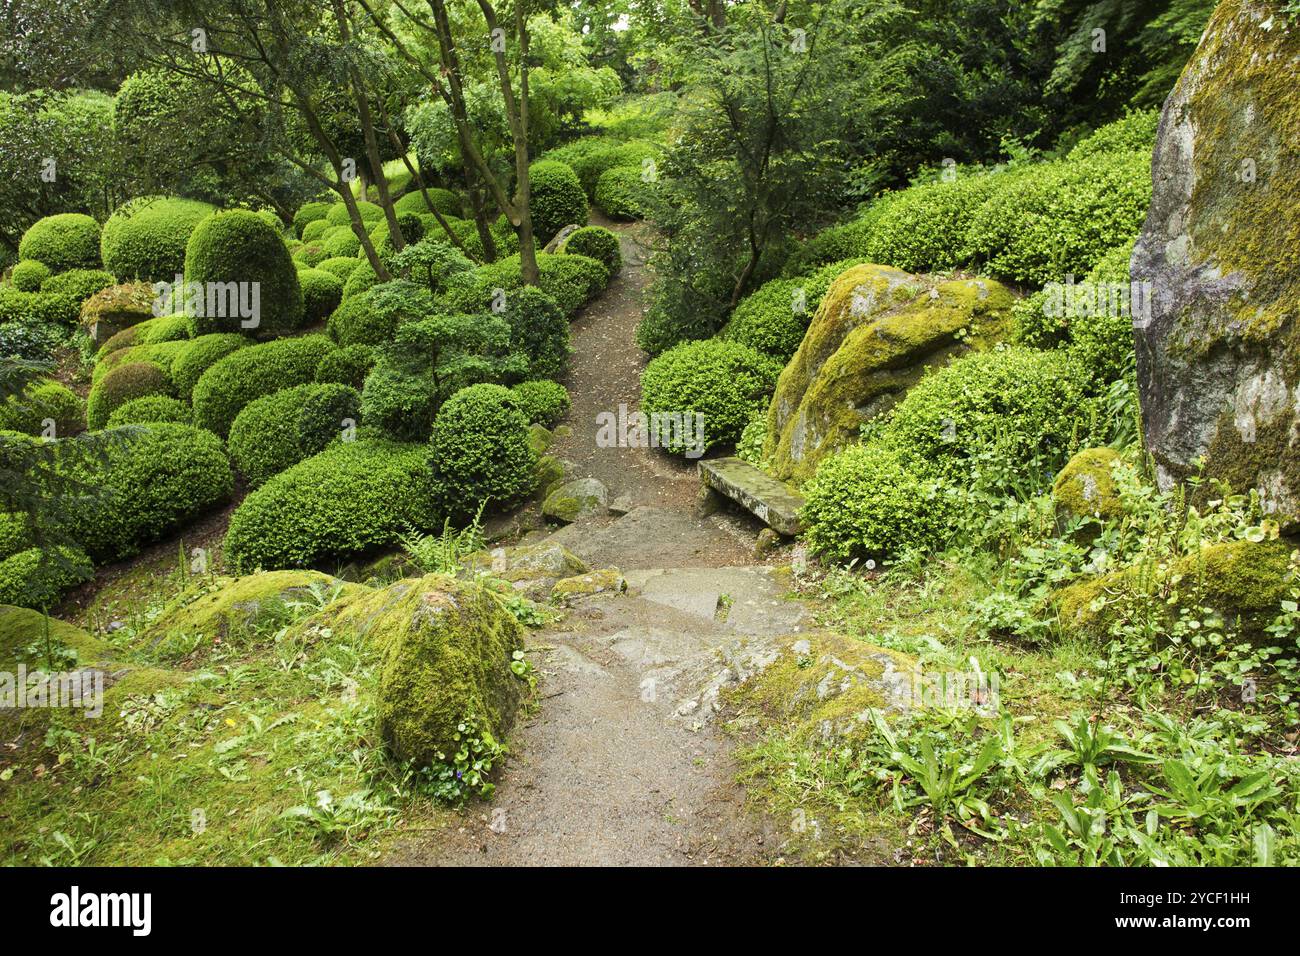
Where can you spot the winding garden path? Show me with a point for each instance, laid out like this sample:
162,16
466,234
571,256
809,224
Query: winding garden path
622,763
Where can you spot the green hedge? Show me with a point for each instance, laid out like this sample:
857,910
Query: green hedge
40,402
557,199
340,267
80,284
120,385
308,213
150,410
165,328
622,193
372,317
69,240
199,355
38,308
444,200
348,365
338,213
542,402
281,429
316,230
249,373
238,246
37,578
538,329
479,451
321,294
349,499
146,238
774,318
28,275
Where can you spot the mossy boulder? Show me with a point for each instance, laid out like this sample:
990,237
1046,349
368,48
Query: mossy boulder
581,498
110,311
1244,581
826,685
446,647
1218,355
603,581
1085,487
218,610
528,562
874,334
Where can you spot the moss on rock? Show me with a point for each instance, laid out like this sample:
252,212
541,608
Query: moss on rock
606,580
1085,487
21,628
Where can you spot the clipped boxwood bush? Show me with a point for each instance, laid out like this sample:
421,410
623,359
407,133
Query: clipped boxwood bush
200,354
337,215
774,318
923,228
479,451
120,385
340,267
38,308
622,193
165,328
347,366
724,382
399,402
341,243
150,410
162,354
145,238
361,278
28,275
80,284
42,402
315,230
1003,420
37,578
372,317
329,411
249,373
308,213
239,247
596,242
69,240
151,481
281,429
349,499
321,294
865,503
541,401
443,200
538,329
557,198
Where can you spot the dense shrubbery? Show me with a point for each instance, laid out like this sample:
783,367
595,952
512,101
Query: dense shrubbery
372,317
337,214
571,280
64,241
321,294
345,501
80,284
479,451
41,402
864,502
150,410
238,246
623,193
146,238
774,318
539,330
308,213
724,382
557,199
340,267
199,355
38,308
281,429
347,366
542,402
431,262
121,384
596,242
444,200
165,328
37,577
249,373
153,480
28,275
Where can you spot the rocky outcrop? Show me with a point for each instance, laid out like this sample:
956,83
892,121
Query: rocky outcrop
1219,355
873,336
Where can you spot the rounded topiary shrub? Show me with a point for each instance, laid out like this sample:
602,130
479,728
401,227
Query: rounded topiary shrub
341,243
539,330
149,481
316,229
1001,421
150,410
596,242
479,451
361,278
622,193
329,411
28,275
772,319
399,401
145,238
38,577
308,213
443,200
571,280
247,374
347,366
372,317
239,247
337,214
199,355
321,293
704,393
120,385
340,267
44,408
351,498
165,328
865,503
263,439
80,284
542,402
557,198
69,240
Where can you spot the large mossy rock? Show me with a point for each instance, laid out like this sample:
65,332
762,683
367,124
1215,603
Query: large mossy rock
873,336
1085,487
1219,354
446,648
1243,581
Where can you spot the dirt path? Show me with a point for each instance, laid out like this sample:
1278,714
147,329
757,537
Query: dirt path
623,763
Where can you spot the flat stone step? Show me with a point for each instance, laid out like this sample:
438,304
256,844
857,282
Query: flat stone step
773,502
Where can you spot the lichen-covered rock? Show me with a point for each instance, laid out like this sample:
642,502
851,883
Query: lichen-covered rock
1244,581
1218,355
581,498
528,562
540,438
876,331
446,649
116,308
1085,487
606,580
230,605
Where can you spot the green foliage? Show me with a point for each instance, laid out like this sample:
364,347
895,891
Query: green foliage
123,383
571,280
281,429
373,316
725,382
165,328
41,402
1135,132
596,242
347,500
150,410
145,238
539,330
431,262
249,373
556,198
80,284
443,200
337,215
316,229
341,267
361,278
479,451
542,402
321,294
866,503
37,308
200,355
308,213
28,275
329,411
238,246
36,579
63,241
924,228
32,340
623,193
347,366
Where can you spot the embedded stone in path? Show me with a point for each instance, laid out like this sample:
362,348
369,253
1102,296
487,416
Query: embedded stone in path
572,500
773,502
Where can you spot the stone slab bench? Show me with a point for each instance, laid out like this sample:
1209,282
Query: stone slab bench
773,502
